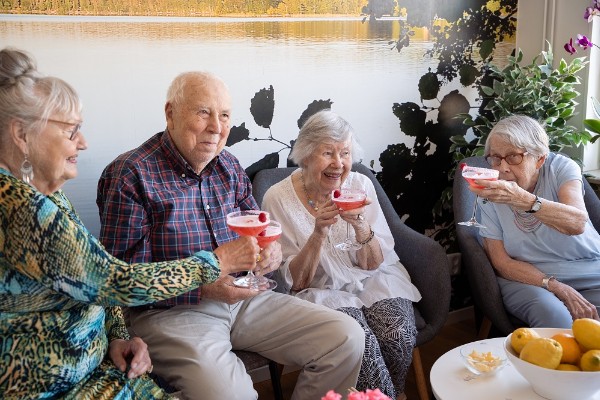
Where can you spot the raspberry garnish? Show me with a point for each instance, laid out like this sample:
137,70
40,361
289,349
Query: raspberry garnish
262,217
337,193
462,165
263,233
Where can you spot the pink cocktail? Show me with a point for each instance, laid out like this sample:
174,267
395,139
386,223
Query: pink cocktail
252,223
473,173
271,234
348,199
249,224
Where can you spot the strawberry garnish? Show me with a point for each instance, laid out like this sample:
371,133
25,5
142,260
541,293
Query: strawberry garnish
262,217
462,165
337,193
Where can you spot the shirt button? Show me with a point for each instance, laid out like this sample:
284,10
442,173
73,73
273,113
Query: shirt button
183,175
207,207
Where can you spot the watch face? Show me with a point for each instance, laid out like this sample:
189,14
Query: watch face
537,205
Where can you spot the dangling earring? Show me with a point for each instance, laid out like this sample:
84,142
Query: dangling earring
27,170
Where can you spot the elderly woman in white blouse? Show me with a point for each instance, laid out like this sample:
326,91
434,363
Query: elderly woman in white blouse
369,284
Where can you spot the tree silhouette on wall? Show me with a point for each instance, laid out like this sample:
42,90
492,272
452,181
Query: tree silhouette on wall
416,178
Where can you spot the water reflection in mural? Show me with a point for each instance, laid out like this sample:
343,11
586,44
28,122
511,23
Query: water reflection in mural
122,67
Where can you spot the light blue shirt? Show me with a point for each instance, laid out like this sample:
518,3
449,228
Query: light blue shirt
552,252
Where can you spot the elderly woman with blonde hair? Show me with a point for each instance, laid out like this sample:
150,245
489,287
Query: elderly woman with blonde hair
538,236
62,333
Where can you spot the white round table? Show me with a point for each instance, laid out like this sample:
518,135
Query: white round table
448,380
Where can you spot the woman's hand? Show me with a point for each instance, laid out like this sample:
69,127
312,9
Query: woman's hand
577,305
326,216
504,192
132,352
352,216
238,255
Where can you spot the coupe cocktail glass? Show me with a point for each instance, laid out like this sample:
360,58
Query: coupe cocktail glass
348,199
250,223
471,174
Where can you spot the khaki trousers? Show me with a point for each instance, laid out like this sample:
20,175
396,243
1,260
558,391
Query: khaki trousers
191,346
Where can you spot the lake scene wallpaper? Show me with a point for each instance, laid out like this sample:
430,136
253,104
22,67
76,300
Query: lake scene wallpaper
398,71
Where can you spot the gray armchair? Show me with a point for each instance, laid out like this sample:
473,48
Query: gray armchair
424,259
482,278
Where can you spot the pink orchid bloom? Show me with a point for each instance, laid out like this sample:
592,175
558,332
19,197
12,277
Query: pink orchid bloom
569,47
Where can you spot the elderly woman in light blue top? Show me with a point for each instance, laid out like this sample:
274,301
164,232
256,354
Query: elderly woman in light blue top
538,236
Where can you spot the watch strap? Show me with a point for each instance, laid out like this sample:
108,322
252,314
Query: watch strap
546,281
536,206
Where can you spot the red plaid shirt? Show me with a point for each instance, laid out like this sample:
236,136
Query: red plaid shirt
154,207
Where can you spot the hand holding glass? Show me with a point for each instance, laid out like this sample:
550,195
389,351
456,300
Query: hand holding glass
253,223
348,199
471,174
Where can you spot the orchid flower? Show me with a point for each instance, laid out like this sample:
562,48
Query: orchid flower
583,41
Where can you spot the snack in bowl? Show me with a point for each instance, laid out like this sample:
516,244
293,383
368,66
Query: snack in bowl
555,384
482,358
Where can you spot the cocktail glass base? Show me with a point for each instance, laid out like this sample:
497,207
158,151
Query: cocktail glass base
347,246
255,282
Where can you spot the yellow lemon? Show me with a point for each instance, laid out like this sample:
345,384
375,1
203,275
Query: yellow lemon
587,333
571,350
590,360
567,367
544,352
520,337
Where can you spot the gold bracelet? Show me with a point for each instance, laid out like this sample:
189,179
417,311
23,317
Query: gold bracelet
367,240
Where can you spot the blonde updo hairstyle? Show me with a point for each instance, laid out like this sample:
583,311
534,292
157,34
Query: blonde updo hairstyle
320,128
28,96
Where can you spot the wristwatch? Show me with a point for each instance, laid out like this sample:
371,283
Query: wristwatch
546,281
537,204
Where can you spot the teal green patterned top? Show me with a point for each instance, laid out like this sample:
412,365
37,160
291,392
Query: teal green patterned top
59,292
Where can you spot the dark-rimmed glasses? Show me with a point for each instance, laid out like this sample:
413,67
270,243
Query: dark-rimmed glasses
511,159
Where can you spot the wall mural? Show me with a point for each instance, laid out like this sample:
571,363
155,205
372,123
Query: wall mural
417,178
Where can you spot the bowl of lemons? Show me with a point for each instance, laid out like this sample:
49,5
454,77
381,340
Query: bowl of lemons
559,364
482,358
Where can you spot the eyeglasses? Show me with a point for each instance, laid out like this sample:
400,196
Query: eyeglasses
511,159
73,132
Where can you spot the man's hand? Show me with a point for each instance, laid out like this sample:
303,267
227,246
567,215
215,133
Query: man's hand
136,350
223,290
237,255
270,259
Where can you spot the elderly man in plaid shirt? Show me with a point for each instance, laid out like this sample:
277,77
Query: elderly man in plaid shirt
167,199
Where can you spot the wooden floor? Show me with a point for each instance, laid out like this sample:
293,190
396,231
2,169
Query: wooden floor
452,335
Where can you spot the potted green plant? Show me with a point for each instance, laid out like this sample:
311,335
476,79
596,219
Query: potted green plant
538,90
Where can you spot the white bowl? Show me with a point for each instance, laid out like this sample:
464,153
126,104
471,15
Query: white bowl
553,384
473,355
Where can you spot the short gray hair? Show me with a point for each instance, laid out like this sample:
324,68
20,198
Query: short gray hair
28,96
523,132
175,91
321,126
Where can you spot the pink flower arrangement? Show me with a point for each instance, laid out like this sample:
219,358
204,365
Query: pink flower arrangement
366,395
582,40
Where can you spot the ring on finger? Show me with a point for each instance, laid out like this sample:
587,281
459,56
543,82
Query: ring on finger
360,217
258,257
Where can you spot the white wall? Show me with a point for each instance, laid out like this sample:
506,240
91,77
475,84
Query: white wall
556,21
